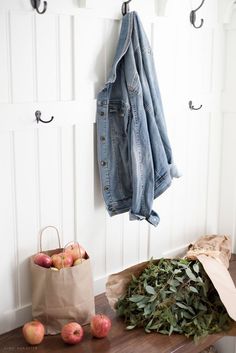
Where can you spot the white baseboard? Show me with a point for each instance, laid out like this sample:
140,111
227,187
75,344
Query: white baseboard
179,251
15,318
100,285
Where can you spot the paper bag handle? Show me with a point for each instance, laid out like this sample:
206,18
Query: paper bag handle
41,235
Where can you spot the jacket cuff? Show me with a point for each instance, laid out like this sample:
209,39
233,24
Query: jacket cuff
153,218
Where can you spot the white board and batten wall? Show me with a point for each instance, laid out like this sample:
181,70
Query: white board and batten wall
56,63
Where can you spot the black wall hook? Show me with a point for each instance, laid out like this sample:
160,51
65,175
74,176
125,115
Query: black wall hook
36,4
38,118
193,16
125,7
191,106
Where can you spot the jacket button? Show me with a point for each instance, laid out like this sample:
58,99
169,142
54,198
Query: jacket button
102,113
106,188
102,138
103,163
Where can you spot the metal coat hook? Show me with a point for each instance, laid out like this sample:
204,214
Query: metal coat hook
38,118
191,106
125,7
36,4
193,16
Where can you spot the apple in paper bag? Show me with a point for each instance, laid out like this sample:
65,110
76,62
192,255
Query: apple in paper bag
76,251
43,260
62,260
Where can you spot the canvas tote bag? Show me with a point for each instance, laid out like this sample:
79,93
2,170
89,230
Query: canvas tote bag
61,296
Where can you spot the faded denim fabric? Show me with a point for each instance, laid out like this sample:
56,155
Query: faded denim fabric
134,153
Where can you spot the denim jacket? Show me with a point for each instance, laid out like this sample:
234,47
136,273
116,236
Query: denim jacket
134,152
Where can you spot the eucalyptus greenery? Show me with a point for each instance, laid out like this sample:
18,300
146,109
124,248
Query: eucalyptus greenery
174,296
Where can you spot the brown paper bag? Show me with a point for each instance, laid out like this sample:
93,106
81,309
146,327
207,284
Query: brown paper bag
61,296
213,251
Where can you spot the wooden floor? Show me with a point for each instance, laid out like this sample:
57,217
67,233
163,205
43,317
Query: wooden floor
118,341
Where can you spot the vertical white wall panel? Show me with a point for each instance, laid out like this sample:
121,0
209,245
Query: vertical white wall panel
89,56
47,57
230,72
227,211
111,37
4,59
201,60
196,175
90,212
49,182
160,239
130,241
179,205
183,68
215,133
26,205
114,243
66,58
9,274
21,50
67,183
164,49
143,241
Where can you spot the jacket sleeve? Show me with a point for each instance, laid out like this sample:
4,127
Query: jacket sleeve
142,170
141,161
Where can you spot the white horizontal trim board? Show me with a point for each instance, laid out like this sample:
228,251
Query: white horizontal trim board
22,115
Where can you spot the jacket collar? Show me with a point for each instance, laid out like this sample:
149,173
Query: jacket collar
123,43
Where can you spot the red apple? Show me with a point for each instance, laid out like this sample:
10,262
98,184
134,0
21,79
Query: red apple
33,332
62,260
72,333
43,260
76,251
100,325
